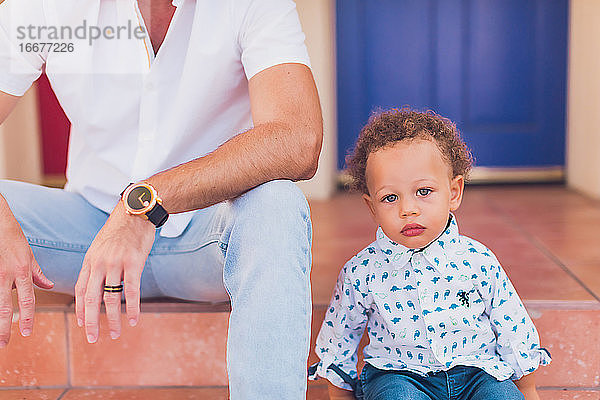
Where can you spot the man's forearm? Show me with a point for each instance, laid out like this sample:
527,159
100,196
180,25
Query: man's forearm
7,103
267,152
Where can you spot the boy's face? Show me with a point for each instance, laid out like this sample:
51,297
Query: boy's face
410,191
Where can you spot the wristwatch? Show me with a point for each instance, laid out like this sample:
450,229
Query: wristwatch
142,199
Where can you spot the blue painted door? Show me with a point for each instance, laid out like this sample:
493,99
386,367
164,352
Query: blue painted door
495,67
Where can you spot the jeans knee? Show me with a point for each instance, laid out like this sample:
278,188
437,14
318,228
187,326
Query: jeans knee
271,227
275,202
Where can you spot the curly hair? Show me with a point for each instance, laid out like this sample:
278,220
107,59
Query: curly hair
388,127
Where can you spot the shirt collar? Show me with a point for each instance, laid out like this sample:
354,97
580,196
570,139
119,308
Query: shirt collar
434,252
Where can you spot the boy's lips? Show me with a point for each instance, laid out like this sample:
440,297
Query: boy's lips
412,230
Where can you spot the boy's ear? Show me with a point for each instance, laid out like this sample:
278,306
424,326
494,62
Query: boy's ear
369,203
457,187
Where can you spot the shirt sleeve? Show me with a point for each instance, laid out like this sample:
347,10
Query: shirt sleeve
518,342
270,34
20,66
342,329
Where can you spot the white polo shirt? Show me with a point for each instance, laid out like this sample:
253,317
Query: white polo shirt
134,114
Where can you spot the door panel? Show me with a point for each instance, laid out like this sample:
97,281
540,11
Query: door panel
496,68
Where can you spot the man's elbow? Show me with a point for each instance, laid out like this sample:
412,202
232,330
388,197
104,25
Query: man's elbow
312,143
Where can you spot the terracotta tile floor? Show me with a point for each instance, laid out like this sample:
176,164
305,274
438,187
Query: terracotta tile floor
546,237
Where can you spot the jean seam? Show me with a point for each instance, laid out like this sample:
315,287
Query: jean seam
362,377
79,248
163,250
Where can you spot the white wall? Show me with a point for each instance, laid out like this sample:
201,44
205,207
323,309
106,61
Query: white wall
20,152
318,21
583,109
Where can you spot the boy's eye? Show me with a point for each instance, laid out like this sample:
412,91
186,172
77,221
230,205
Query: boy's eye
423,191
390,198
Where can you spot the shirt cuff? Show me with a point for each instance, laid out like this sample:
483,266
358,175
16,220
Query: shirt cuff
13,87
322,370
266,62
526,362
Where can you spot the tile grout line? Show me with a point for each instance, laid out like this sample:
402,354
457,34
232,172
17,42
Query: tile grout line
571,388
41,387
538,245
147,387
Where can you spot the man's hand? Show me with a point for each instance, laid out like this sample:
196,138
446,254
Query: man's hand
18,269
117,254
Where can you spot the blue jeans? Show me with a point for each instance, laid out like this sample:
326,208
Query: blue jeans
458,383
254,250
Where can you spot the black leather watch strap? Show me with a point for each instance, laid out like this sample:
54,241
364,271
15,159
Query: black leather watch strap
158,215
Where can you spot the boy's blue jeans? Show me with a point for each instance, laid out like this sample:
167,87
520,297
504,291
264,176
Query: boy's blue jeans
459,383
254,250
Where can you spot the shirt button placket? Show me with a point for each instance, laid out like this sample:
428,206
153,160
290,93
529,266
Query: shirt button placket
147,129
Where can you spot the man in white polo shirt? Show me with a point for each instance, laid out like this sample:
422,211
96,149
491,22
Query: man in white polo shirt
197,113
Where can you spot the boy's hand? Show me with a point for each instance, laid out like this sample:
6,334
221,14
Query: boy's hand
335,393
527,386
530,394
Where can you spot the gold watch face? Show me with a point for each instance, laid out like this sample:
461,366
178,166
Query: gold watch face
140,199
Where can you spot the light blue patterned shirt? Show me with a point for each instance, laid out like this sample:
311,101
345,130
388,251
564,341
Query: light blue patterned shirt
427,310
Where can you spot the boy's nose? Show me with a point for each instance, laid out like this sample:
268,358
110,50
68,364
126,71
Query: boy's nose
408,209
